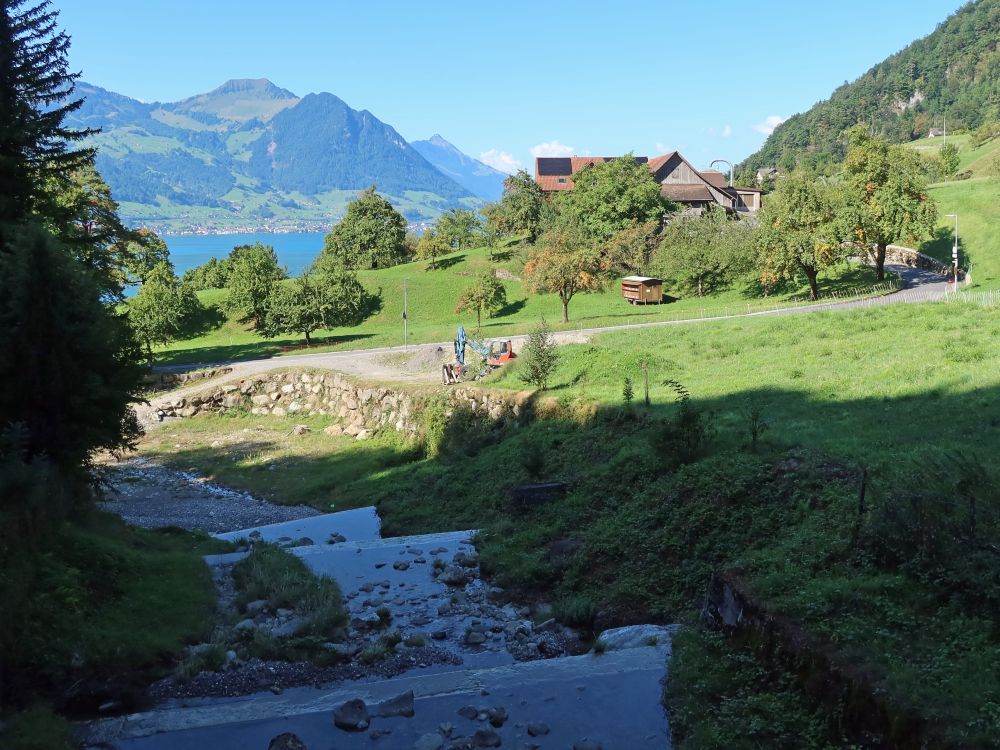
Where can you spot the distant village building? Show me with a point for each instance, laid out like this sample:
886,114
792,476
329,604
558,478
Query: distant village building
679,181
766,173
935,133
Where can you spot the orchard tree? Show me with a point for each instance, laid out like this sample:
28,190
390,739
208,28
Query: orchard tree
520,208
253,274
704,253
372,234
949,159
314,301
631,249
565,261
487,294
431,247
145,253
162,308
800,230
887,195
459,228
611,196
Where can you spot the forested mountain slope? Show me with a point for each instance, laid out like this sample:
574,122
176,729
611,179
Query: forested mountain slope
953,72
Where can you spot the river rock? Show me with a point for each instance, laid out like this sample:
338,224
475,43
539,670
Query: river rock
453,575
287,741
538,729
468,712
635,636
352,716
400,565
487,738
497,716
401,705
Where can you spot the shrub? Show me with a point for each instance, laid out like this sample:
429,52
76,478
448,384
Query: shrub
684,437
539,357
576,611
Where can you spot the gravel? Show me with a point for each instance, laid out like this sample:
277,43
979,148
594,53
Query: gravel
149,495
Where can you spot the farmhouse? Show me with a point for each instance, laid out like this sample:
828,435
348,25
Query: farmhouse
679,181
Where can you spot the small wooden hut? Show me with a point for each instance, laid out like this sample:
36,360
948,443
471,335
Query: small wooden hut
642,290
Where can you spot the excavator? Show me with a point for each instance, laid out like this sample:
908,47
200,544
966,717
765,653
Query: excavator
492,358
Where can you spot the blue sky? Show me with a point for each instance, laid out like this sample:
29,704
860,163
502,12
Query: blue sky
507,81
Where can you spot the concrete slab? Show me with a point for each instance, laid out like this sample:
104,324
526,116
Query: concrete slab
612,699
356,524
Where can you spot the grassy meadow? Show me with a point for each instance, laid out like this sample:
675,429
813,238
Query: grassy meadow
431,298
907,394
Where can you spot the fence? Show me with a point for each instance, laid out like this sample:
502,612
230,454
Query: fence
855,296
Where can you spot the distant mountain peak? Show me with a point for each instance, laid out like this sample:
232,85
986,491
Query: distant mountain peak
478,178
257,87
240,99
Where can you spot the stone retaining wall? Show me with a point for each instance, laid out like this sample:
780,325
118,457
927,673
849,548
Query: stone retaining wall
358,409
910,257
168,379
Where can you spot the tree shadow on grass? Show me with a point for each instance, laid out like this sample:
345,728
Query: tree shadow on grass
940,245
511,308
443,264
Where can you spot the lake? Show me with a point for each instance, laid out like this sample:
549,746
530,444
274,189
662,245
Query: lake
295,251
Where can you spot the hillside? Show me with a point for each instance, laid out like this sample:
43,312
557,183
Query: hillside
250,154
478,178
953,72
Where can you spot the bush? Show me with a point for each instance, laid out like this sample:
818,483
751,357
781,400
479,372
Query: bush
284,581
539,357
576,611
685,437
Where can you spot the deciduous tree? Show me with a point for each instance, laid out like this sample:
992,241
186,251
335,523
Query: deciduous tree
431,247
487,294
371,235
887,195
162,308
314,301
703,253
459,228
611,196
520,208
254,271
565,261
801,230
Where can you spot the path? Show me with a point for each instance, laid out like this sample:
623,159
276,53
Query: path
374,364
509,683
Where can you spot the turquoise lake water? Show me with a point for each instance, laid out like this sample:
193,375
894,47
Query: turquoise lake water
295,251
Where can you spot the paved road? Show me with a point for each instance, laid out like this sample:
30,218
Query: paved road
919,286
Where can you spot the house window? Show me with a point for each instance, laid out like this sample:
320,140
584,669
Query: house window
561,180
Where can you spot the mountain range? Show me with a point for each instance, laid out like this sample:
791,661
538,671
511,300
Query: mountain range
951,74
252,155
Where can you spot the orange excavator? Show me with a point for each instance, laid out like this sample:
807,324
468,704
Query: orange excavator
494,354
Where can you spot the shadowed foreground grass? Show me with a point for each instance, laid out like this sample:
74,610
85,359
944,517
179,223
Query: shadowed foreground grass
657,504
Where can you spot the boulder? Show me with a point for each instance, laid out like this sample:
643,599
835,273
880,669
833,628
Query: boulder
538,729
400,705
334,429
453,575
352,716
299,429
636,636
286,741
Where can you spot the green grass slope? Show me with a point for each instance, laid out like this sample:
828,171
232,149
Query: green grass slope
431,298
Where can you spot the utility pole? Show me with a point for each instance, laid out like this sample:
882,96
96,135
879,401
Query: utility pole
405,322
946,138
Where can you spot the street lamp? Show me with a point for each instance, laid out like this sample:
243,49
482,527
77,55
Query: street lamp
729,163
954,248
405,331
